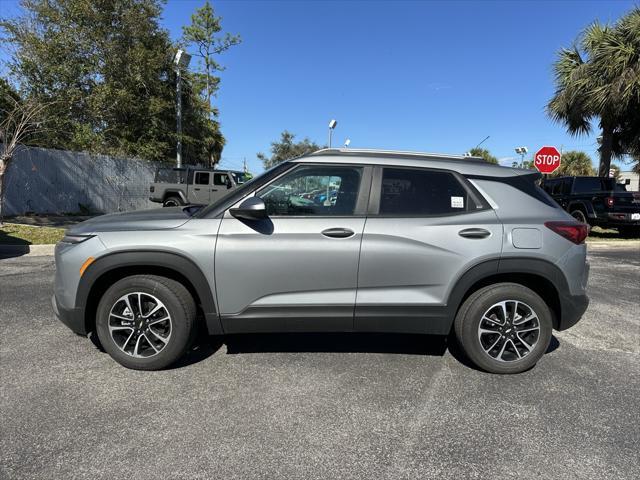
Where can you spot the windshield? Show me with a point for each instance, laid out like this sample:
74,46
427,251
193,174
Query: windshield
241,177
242,191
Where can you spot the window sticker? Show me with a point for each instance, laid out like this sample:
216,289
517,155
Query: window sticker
457,202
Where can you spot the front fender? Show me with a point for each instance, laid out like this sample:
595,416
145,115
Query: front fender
137,261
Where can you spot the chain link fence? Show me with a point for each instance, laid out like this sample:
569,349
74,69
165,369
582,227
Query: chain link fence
42,181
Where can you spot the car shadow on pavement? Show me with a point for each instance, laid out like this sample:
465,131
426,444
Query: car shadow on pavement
337,342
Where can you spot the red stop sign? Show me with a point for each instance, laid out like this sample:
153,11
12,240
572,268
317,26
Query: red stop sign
547,159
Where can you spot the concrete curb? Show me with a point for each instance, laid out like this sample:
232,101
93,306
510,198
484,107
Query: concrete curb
27,250
627,244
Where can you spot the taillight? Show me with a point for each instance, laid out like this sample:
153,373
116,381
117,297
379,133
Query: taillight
572,231
609,201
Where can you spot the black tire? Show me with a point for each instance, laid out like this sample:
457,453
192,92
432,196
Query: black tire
629,232
178,303
172,201
580,216
467,322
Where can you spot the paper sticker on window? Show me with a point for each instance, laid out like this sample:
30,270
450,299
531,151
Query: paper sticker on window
457,202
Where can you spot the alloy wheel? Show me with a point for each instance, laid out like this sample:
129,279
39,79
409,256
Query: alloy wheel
509,331
140,324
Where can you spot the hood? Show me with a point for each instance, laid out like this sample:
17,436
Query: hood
155,219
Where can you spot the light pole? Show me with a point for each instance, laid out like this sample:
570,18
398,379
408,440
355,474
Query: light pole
347,142
181,61
522,151
332,125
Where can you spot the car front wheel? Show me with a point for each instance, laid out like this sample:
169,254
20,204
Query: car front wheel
504,328
146,322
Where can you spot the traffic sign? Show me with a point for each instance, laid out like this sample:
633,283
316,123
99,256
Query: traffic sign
547,159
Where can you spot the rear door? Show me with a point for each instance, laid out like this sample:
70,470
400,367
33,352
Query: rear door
200,187
425,229
296,270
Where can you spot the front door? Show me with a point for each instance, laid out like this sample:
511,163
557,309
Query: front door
221,186
427,228
200,188
296,270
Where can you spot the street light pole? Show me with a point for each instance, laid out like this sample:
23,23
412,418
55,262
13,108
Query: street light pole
179,118
332,125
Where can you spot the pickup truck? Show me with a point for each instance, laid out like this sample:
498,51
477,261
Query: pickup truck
192,185
598,201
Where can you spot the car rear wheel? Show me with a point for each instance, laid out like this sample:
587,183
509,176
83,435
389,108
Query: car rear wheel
504,328
579,215
146,322
173,201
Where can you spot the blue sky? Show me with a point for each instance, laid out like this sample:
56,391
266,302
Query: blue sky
414,75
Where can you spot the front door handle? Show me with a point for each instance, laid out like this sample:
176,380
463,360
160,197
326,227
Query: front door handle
474,233
197,189
338,232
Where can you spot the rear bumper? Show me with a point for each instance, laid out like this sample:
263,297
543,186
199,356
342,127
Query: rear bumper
617,220
71,317
572,307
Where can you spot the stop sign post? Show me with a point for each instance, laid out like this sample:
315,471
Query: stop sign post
547,159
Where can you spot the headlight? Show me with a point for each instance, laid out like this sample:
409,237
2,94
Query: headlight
73,239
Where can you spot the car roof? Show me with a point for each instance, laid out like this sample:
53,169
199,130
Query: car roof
465,165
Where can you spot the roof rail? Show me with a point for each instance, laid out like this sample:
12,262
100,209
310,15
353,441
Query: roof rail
370,152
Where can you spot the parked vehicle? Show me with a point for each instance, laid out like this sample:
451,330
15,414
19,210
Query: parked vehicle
413,243
598,201
191,185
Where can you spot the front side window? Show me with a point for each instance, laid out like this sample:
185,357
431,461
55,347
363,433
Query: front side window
202,178
220,179
420,192
314,190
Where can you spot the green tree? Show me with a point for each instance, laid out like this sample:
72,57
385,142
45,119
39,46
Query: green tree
203,35
598,79
107,64
286,149
484,153
575,164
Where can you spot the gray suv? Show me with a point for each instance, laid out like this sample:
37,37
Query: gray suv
337,240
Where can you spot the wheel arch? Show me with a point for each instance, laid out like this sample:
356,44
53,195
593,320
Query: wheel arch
174,193
541,276
110,268
587,208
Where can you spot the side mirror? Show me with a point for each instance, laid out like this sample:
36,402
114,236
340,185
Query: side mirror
627,181
253,208
229,184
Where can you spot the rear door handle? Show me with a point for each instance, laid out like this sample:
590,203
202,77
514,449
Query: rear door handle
338,232
474,233
197,189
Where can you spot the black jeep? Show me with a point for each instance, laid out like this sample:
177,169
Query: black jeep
598,201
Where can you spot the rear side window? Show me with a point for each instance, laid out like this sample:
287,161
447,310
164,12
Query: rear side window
421,192
202,178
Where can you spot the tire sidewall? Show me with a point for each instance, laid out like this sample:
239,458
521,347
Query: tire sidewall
579,215
181,327
479,304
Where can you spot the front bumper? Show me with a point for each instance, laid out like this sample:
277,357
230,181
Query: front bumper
71,317
572,307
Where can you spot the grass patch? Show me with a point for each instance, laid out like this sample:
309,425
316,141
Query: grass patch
14,234
598,234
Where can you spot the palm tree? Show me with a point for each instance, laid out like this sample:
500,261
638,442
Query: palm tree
575,164
599,78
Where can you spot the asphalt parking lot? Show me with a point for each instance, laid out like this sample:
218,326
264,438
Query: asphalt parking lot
320,406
